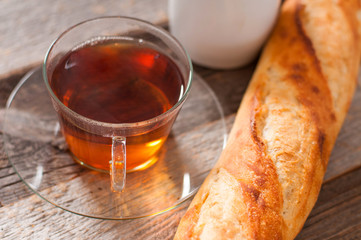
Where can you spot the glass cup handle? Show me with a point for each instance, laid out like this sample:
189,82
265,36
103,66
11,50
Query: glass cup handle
118,164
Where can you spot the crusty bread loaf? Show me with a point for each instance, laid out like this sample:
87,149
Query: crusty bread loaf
269,175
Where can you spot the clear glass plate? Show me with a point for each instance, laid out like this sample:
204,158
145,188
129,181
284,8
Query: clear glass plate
39,155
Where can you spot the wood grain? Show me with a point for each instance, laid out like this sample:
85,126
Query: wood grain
31,218
337,213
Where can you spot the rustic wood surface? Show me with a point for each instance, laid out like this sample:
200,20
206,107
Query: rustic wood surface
27,29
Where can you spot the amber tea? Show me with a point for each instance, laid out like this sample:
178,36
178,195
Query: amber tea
116,81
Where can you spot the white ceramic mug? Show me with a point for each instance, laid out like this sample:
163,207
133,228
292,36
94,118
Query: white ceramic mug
222,34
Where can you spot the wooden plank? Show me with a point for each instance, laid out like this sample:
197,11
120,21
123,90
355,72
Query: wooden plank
30,218
230,85
28,27
337,213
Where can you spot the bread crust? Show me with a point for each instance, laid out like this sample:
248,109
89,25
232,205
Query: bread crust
269,175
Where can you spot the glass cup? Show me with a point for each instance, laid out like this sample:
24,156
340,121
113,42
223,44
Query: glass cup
108,146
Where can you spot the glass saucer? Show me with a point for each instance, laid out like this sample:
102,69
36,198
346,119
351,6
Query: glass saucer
39,155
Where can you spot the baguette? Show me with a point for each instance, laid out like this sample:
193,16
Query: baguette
269,175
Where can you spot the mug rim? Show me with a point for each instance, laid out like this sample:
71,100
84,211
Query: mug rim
121,125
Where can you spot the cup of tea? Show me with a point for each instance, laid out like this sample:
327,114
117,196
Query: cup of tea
117,85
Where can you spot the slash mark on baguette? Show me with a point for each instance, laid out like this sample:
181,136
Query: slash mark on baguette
305,38
253,124
313,88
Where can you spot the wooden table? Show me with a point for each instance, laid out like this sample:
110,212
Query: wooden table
27,29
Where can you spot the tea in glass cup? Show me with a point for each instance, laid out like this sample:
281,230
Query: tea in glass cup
117,85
